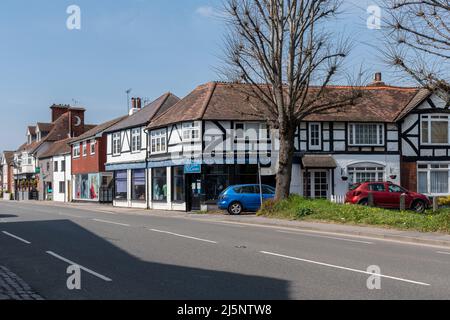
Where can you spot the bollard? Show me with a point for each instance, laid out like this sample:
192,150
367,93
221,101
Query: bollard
403,202
370,200
435,204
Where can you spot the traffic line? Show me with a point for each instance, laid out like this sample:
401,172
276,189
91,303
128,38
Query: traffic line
182,236
343,268
442,252
326,237
96,274
112,222
16,237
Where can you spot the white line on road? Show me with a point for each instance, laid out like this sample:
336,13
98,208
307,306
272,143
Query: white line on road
111,222
16,237
98,275
182,236
442,252
343,268
326,237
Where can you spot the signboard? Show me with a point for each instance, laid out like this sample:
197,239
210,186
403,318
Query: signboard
38,170
192,168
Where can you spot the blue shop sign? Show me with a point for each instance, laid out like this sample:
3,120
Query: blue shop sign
192,168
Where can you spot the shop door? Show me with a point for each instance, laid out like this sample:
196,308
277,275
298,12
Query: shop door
195,191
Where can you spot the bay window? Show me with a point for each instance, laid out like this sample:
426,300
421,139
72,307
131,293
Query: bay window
366,134
191,131
116,144
178,193
136,140
159,184
138,185
158,141
433,179
435,129
121,180
366,173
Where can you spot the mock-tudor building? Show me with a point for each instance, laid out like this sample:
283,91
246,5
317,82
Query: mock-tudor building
91,182
127,151
7,167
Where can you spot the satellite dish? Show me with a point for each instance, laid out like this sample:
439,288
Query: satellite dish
78,123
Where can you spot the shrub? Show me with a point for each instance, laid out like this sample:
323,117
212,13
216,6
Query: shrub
444,201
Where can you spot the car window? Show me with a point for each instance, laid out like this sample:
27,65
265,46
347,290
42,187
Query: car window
247,190
396,189
268,190
377,187
354,186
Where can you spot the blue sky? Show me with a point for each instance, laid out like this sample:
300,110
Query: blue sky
152,46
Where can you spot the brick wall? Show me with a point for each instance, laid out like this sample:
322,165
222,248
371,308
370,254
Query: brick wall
409,175
90,163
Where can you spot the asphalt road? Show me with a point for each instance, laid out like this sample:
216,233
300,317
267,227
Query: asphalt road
156,257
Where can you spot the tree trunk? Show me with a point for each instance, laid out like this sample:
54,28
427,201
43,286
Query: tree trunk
286,157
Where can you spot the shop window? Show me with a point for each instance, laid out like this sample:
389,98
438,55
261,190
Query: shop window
159,184
138,185
178,186
121,185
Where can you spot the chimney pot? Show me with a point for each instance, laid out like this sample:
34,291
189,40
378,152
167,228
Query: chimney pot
133,103
139,103
378,77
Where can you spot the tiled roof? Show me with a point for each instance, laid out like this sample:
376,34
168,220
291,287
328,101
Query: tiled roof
58,148
418,99
32,130
227,101
150,111
97,129
319,162
44,127
8,156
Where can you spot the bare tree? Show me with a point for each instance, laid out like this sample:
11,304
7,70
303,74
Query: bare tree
285,50
419,41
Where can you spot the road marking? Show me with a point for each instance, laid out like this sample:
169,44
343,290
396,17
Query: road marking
111,222
98,275
16,237
326,237
182,236
343,268
442,252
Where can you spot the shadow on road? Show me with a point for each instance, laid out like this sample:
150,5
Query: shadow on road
5,216
132,277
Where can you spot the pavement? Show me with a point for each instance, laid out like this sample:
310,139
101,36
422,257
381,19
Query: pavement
134,254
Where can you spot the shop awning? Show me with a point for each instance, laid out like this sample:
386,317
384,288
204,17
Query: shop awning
318,162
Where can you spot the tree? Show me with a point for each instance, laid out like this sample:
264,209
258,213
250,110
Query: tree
285,52
419,41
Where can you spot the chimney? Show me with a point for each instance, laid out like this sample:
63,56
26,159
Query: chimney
377,81
135,105
58,110
138,103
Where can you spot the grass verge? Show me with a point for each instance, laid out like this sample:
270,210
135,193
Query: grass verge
298,208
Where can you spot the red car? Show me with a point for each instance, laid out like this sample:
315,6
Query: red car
386,195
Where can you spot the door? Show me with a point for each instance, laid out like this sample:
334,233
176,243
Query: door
393,196
380,198
195,191
316,184
250,197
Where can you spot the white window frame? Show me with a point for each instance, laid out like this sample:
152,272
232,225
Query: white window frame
352,135
84,149
445,168
158,140
76,151
319,126
116,149
430,119
136,143
190,130
92,145
368,168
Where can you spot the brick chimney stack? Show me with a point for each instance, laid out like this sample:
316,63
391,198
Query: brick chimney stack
377,81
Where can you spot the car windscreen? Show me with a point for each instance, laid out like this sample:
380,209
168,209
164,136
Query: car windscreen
354,186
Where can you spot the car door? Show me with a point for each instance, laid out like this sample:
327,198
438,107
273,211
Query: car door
378,191
393,196
268,192
250,198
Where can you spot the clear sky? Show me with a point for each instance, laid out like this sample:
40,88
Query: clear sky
151,46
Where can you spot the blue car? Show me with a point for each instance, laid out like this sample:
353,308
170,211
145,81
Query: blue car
247,197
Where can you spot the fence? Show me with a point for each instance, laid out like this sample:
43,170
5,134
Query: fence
337,199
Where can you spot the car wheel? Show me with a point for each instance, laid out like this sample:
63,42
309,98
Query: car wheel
235,208
419,206
364,202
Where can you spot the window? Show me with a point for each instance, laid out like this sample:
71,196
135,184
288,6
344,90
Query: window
121,185
136,140
315,136
62,187
48,166
56,166
433,179
76,150
138,185
191,131
178,194
158,141
396,189
116,144
63,166
246,190
435,130
92,146
365,134
377,187
84,149
360,174
159,184
29,161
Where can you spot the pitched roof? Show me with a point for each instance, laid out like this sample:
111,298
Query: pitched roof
32,130
418,99
58,148
229,101
97,130
146,114
8,156
44,127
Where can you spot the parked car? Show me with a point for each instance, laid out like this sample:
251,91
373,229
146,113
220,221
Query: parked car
387,195
240,198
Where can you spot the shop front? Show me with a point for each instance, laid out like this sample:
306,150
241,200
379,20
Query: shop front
26,187
95,187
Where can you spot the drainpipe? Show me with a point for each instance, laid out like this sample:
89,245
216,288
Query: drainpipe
147,182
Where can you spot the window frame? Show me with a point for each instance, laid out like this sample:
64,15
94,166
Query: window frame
154,177
191,127
63,189
84,150
116,143
158,136
173,189
55,166
136,140
319,128
262,128
443,167
429,120
76,151
92,144
355,169
133,180
381,136
126,185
